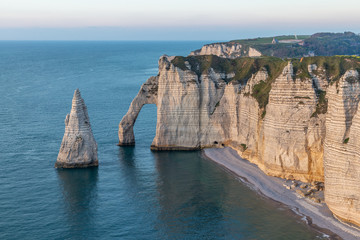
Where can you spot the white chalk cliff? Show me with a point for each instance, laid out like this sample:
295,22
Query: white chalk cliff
304,128
227,50
78,147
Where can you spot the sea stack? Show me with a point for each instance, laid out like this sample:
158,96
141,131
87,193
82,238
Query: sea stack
78,147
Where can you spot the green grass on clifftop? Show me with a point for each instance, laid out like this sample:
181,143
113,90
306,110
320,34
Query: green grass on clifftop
332,67
242,67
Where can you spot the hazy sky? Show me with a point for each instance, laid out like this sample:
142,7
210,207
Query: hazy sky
172,20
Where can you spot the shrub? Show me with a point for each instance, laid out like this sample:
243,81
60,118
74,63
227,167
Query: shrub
322,104
244,147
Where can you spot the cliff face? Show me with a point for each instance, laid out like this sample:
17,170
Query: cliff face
227,50
292,140
185,108
275,114
78,147
342,149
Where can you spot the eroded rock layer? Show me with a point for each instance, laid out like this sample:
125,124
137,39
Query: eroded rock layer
293,140
293,119
78,147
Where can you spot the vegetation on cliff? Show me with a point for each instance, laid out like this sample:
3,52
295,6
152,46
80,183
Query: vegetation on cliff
322,103
333,68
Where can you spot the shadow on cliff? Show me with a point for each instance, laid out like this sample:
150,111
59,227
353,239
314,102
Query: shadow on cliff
79,189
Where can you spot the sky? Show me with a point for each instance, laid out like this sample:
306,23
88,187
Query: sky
172,20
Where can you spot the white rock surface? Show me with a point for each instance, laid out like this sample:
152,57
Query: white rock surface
78,147
254,53
185,106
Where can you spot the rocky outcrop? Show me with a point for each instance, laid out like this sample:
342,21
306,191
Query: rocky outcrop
78,147
227,50
293,121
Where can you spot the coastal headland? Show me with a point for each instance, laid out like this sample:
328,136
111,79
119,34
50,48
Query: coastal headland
295,118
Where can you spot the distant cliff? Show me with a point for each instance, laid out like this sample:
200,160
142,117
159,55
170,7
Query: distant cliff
227,50
294,119
319,44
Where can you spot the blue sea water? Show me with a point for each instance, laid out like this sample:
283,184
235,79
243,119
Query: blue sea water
134,193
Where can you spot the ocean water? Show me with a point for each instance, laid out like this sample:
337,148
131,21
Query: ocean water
135,193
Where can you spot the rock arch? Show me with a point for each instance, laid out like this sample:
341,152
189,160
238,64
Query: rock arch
146,95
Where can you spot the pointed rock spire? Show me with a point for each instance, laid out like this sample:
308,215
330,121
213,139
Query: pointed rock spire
78,147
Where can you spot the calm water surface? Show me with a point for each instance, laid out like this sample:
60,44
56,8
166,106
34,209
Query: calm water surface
135,193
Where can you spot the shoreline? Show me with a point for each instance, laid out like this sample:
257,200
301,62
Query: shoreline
319,214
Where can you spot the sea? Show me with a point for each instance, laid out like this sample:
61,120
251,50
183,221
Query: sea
135,193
